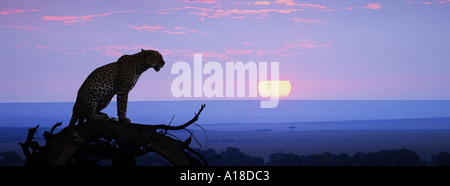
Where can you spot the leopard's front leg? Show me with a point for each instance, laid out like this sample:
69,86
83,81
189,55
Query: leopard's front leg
122,101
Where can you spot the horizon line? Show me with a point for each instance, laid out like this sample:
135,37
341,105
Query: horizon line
186,100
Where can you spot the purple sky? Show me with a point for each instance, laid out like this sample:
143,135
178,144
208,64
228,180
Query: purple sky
342,49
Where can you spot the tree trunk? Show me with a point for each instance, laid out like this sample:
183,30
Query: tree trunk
132,140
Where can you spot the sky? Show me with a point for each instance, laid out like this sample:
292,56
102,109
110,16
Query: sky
328,50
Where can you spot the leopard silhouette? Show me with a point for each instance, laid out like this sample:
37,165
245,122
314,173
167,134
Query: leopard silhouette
116,78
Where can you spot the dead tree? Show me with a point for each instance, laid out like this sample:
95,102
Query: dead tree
125,141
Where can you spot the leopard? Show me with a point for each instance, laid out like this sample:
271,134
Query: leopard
116,78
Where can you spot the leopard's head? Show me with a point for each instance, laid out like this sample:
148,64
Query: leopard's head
153,59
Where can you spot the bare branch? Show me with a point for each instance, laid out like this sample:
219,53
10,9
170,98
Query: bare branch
193,120
25,146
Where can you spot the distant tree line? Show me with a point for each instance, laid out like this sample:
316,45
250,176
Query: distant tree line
234,157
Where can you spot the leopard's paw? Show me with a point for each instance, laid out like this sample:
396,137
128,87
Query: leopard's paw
127,120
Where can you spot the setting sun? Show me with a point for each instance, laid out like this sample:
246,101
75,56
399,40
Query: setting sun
265,88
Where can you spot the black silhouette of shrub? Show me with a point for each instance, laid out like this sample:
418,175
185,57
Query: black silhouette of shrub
441,159
401,157
282,159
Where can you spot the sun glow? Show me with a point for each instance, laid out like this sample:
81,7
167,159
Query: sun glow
265,88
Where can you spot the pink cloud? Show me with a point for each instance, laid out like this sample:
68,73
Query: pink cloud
69,20
220,13
174,32
305,20
373,6
113,53
203,12
326,10
304,5
299,46
15,11
200,1
214,55
10,11
199,13
147,27
58,18
191,7
350,8
256,52
262,3
35,10
429,2
234,13
303,43
161,29
258,43
290,48
111,47
117,47
285,49
184,32
116,50
286,2
29,28
49,48
312,6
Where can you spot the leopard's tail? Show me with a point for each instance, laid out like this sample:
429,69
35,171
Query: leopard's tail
75,118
